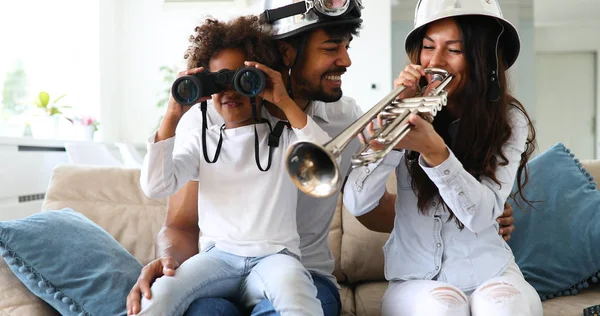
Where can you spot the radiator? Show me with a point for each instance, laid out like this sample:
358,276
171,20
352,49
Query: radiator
25,170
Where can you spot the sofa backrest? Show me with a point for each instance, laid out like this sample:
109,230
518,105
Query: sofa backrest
361,255
112,198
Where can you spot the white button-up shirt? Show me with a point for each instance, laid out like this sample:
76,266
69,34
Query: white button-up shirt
429,247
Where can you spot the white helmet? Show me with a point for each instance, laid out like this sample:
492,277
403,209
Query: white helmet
428,11
291,17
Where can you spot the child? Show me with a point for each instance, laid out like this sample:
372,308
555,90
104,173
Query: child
246,200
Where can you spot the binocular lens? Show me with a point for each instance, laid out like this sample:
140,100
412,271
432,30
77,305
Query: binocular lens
186,91
250,83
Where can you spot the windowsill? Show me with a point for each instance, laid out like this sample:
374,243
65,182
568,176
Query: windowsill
30,141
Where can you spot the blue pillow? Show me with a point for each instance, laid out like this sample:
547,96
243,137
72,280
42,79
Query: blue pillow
69,262
555,240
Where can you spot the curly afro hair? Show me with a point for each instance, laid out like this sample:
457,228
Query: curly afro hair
245,33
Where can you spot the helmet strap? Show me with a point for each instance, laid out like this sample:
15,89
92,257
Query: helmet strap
289,83
494,90
300,45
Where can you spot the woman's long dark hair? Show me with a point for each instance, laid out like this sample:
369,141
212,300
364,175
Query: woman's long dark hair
484,125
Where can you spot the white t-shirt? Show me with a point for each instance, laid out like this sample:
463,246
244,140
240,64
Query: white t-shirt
241,209
314,215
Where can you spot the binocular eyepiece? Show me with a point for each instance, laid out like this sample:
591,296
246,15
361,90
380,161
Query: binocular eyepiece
247,81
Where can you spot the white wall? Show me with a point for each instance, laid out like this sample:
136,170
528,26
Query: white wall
371,55
521,74
139,36
571,38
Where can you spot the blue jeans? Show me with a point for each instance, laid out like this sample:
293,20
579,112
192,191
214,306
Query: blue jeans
280,277
327,293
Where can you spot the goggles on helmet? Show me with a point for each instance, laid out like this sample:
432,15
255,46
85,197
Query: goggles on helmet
322,8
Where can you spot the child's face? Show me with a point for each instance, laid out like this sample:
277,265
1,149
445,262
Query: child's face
235,109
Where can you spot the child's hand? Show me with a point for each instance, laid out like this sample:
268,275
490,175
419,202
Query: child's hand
175,110
275,91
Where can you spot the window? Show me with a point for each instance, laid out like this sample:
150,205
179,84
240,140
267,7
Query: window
50,46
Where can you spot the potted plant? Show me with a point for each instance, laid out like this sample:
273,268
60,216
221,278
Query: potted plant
85,126
44,121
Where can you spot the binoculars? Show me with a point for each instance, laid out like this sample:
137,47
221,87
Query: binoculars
247,81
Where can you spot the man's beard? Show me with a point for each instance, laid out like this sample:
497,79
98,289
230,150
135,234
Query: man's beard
316,93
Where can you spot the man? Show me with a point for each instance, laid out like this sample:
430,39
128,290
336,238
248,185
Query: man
314,47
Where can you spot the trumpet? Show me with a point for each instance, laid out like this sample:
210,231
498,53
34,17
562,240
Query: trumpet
313,167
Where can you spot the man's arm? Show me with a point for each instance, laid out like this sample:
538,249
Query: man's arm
178,238
176,242
381,218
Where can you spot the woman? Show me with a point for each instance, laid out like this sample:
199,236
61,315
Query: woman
444,256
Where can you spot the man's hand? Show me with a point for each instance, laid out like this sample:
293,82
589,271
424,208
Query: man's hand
151,272
506,221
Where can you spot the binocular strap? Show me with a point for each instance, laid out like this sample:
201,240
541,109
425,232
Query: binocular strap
203,106
274,136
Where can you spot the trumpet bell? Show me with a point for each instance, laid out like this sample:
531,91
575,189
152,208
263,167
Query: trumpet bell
313,169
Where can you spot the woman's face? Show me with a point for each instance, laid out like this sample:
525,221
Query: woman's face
442,47
235,109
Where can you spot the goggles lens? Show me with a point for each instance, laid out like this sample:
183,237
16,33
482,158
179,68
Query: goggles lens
331,7
334,5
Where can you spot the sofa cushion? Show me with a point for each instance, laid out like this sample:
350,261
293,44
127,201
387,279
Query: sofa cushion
554,240
571,305
347,298
335,240
112,198
368,298
69,262
362,251
16,299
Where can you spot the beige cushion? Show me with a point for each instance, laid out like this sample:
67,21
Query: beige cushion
362,254
593,167
572,305
335,240
112,198
347,298
368,298
16,299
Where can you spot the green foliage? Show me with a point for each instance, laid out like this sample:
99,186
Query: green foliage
14,90
169,75
43,102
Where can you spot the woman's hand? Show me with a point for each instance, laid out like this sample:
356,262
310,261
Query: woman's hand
422,138
409,77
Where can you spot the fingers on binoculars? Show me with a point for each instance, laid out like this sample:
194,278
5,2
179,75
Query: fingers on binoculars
191,71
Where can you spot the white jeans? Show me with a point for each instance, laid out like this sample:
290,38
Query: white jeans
505,295
281,278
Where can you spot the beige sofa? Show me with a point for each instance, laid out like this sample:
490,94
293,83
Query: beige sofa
111,197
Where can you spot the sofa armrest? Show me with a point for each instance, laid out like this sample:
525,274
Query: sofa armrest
112,198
